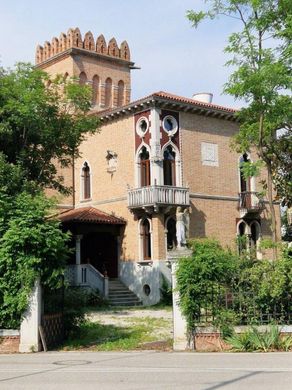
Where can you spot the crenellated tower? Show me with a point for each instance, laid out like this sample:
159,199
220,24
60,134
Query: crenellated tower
106,67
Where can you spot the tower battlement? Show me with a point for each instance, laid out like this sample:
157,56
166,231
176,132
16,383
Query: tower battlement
73,39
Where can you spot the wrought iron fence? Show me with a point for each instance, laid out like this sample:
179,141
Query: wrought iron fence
53,313
247,307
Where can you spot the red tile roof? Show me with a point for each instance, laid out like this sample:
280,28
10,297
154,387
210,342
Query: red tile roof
192,101
90,215
167,96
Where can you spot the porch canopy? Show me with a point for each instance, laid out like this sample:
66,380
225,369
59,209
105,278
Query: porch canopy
97,237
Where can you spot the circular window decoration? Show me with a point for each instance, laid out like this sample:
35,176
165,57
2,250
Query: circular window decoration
170,125
142,126
146,289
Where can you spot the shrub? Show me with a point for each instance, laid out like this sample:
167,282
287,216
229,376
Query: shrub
165,291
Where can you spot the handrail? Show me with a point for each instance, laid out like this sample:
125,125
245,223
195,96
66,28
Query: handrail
158,195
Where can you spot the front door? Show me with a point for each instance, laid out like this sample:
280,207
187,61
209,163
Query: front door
100,250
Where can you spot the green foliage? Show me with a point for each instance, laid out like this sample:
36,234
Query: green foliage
31,246
261,62
221,289
41,126
210,267
254,339
165,292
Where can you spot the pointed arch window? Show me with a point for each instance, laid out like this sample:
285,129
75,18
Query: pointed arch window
244,183
95,90
108,92
121,90
169,173
146,239
145,175
86,181
82,78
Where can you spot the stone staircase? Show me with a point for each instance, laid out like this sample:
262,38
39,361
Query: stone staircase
120,295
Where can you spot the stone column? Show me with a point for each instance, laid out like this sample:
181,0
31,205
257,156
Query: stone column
78,239
29,328
181,341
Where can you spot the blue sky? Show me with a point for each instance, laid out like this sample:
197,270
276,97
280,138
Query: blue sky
173,56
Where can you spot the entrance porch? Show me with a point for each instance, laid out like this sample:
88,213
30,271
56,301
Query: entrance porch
96,239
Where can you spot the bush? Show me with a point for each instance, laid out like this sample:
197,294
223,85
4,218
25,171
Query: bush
165,291
221,289
75,302
210,268
263,341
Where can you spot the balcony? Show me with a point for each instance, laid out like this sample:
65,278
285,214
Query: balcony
157,197
250,203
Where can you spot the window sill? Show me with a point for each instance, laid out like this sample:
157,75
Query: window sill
86,200
144,263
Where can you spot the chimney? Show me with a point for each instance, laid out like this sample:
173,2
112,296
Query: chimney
204,97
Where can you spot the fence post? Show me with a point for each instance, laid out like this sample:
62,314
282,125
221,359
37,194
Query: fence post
181,341
29,328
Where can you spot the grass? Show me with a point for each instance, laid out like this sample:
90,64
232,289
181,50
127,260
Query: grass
99,337
158,306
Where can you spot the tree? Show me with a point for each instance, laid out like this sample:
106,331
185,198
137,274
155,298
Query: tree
42,122
262,78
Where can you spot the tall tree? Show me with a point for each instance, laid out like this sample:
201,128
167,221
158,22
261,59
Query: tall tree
262,78
42,122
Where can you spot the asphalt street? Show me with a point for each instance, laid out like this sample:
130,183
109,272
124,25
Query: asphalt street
146,370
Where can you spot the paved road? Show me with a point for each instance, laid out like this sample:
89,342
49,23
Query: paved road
146,370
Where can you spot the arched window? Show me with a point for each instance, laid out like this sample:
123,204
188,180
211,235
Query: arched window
82,78
121,90
171,233
169,166
145,232
145,175
86,185
244,183
95,90
255,235
242,237
108,92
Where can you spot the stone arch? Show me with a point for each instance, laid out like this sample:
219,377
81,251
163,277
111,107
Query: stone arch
62,42
101,46
95,90
125,51
47,50
54,46
88,42
108,92
39,54
82,78
121,93
113,49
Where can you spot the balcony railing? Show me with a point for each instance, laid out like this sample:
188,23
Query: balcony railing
250,201
155,196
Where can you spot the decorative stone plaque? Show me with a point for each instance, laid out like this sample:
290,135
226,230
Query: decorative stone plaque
209,153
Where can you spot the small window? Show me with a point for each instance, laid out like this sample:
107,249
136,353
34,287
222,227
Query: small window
170,125
142,126
86,185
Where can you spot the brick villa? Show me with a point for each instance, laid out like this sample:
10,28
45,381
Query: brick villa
151,156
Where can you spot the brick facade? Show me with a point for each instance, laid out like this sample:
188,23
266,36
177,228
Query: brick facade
205,165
